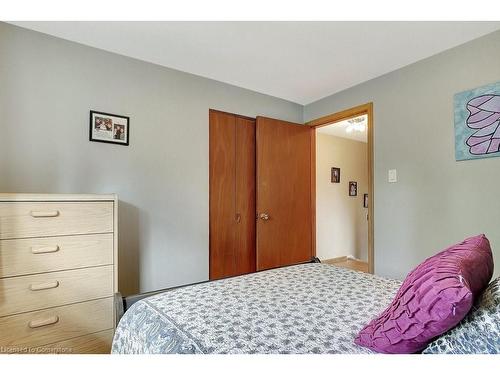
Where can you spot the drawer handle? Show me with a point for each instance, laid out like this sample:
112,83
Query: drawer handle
44,213
43,322
43,286
45,250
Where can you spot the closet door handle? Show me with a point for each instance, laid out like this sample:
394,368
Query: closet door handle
43,322
264,216
37,214
44,286
45,250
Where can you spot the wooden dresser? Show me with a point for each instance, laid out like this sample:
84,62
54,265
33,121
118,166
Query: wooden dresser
58,272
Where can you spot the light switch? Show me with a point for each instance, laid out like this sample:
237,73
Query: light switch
393,175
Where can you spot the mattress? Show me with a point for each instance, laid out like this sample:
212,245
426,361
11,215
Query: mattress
307,308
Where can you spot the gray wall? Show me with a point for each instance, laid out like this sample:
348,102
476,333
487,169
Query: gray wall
48,86
437,200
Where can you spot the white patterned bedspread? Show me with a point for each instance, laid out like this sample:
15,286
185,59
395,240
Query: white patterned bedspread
308,308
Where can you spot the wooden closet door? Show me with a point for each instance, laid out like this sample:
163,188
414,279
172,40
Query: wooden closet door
245,196
232,194
284,200
222,162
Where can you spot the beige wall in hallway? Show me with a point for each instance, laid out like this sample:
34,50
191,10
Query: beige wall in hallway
341,225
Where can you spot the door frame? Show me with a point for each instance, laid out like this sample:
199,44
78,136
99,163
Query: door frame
364,109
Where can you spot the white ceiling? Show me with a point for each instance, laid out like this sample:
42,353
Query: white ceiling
338,129
298,61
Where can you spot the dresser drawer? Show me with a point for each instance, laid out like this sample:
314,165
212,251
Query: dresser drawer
42,219
35,292
37,255
57,324
95,343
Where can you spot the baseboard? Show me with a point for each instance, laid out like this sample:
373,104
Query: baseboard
335,260
352,257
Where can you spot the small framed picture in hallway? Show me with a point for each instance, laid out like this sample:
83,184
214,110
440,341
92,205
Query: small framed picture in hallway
353,188
335,175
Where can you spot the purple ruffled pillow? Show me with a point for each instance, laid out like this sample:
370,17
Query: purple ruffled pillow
434,297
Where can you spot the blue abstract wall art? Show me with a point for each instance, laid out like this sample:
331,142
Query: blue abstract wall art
477,123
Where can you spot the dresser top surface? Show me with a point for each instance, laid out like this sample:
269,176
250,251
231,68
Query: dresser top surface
34,197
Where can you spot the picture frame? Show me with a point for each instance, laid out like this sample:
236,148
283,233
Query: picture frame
109,128
365,200
335,175
353,188
476,114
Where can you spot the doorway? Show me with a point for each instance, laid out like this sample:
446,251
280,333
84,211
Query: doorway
343,187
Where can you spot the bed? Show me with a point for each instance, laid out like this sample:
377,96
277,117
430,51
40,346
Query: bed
306,308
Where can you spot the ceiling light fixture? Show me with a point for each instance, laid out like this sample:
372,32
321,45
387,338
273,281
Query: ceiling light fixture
356,124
